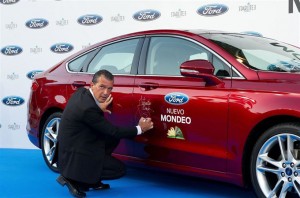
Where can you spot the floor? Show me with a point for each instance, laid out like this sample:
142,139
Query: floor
23,173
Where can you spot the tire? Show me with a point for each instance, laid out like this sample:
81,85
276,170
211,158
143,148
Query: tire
275,171
49,139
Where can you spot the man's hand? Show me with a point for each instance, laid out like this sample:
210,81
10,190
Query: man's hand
103,106
145,124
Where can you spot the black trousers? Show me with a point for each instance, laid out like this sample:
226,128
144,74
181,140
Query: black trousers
112,167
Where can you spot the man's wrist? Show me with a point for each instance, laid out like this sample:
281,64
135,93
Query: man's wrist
139,130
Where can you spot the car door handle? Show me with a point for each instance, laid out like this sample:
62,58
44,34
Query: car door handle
148,86
79,83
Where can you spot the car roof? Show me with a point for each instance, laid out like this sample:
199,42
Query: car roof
203,31
194,31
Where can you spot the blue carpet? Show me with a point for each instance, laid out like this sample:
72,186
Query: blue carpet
23,173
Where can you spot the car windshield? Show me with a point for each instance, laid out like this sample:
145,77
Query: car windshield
259,53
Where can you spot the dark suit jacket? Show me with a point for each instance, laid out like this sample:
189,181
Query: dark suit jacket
81,138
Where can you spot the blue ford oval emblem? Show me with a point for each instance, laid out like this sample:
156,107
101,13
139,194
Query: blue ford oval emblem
89,19
212,10
11,50
32,74
61,48
146,15
176,98
13,101
36,23
7,2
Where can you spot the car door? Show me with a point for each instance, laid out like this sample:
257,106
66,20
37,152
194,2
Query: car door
120,58
190,118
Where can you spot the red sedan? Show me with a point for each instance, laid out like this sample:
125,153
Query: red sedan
225,105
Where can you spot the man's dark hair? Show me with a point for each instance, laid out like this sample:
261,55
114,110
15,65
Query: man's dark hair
105,73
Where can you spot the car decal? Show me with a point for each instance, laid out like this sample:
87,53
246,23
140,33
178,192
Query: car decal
144,108
175,116
175,133
176,98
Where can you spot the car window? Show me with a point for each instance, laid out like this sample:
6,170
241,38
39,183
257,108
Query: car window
166,54
77,64
259,53
116,58
222,69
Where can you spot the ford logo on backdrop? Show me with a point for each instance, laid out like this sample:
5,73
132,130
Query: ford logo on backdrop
13,101
89,19
36,23
176,98
11,50
31,74
212,10
9,1
146,15
61,48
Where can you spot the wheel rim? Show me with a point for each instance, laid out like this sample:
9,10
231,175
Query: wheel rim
50,139
278,166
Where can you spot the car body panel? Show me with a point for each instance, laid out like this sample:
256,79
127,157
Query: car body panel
201,145
208,130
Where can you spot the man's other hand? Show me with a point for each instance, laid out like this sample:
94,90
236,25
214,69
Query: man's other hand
103,105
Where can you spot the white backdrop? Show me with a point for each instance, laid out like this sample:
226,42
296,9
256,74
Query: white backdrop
277,19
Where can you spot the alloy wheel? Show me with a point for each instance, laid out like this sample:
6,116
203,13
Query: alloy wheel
49,139
278,166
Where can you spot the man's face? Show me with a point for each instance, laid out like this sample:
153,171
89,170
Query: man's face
102,88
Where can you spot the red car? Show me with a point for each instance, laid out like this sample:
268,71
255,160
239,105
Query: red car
226,106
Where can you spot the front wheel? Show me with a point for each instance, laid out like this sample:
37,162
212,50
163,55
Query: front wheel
275,162
49,139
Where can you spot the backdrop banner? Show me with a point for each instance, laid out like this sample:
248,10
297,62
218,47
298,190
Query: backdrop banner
34,35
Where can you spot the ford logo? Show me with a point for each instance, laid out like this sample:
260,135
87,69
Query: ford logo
7,2
89,19
32,74
13,101
176,98
212,10
146,15
11,50
36,23
61,48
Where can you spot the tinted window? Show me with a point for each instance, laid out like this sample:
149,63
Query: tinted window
116,58
77,64
166,54
221,69
259,53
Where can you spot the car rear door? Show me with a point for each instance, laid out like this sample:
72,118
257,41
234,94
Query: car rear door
190,118
120,58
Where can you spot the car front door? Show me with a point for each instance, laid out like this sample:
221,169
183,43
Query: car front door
190,118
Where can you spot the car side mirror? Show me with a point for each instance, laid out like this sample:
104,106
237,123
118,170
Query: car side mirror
200,69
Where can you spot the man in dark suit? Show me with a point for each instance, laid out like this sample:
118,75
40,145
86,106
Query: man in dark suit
86,139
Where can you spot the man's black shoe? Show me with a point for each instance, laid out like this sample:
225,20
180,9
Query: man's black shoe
102,186
72,189
83,189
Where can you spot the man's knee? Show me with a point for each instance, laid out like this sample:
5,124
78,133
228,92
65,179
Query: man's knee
113,168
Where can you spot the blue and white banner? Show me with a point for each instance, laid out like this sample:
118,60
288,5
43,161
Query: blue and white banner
37,34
